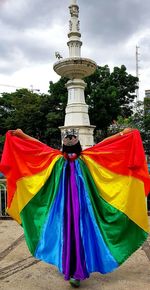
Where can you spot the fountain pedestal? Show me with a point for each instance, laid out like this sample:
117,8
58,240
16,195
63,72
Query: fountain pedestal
75,68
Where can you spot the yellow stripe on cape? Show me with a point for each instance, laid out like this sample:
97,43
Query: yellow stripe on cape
27,188
125,193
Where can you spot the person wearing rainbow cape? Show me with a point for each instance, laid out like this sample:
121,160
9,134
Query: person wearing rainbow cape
83,211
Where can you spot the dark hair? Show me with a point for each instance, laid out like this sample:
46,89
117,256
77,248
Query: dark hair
72,149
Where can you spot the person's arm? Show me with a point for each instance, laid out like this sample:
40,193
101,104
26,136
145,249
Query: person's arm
19,133
125,131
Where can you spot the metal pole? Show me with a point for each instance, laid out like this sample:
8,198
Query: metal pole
137,71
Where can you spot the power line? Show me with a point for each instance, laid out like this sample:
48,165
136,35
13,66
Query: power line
10,86
16,87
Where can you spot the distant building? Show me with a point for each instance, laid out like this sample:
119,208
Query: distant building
147,102
147,93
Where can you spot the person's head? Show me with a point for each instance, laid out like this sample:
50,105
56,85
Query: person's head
71,143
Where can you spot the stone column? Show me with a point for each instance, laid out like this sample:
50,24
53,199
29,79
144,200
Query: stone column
76,68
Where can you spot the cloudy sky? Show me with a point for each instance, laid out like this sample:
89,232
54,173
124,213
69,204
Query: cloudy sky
32,30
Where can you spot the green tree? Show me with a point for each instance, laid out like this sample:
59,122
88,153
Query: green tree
109,95
147,113
140,119
56,110
136,120
147,124
21,109
38,115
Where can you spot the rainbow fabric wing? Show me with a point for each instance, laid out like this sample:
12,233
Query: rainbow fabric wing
83,216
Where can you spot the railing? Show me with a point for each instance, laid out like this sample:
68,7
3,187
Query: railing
3,198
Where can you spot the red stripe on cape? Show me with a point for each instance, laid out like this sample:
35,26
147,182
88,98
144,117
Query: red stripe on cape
122,155
23,157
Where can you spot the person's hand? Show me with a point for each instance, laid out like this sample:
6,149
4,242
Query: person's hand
17,132
127,130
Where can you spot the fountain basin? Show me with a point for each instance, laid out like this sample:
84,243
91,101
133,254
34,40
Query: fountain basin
75,68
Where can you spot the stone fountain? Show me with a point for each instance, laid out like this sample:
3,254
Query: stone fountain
76,68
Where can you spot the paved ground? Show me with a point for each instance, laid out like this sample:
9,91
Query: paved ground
20,271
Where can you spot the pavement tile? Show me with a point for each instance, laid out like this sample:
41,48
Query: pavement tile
20,271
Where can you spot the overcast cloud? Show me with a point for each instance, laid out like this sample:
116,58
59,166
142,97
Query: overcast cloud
32,30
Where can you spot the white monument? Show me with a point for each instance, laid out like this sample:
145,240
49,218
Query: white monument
75,68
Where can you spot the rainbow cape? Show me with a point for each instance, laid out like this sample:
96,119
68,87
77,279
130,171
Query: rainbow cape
83,216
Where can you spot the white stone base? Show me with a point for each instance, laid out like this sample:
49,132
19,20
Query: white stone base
77,114
85,135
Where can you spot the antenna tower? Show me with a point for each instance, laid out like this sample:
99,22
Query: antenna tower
137,70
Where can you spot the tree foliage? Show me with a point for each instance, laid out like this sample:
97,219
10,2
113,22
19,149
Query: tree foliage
147,113
37,115
140,119
108,94
147,124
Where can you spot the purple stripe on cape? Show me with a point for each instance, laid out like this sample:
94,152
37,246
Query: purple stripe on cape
73,253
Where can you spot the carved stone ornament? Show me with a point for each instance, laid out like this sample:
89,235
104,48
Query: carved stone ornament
78,25
74,10
70,25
